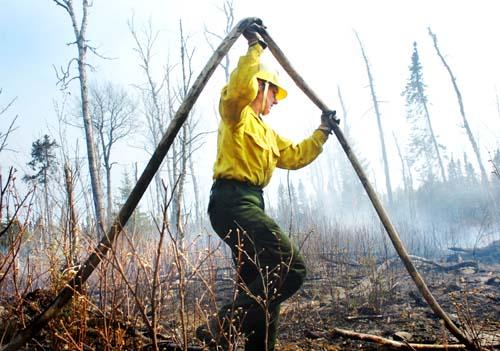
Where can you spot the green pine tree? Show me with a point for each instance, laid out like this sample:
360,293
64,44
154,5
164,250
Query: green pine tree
43,160
424,147
44,164
139,222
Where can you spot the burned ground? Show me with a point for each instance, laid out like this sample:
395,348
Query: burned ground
392,306
371,296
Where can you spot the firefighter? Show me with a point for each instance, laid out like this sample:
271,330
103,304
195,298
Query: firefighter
269,265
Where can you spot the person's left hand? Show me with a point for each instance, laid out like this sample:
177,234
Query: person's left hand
328,118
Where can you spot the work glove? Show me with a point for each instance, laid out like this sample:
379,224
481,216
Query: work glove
328,119
252,35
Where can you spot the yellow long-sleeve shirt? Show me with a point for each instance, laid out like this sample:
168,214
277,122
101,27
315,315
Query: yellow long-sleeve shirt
248,150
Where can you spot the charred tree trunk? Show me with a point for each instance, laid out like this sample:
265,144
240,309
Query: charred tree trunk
379,124
72,218
484,177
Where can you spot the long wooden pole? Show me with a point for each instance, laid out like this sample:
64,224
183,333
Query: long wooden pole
384,218
75,284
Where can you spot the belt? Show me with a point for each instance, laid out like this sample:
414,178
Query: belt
245,185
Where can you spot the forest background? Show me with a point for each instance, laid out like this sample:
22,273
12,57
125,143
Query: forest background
330,60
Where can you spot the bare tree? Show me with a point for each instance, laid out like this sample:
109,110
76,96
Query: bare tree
379,123
69,214
228,10
484,177
80,32
181,156
113,117
186,132
4,135
160,99
155,106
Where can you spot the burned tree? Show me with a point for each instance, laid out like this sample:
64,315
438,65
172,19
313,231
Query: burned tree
379,123
466,125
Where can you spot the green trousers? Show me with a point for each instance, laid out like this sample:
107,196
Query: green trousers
270,267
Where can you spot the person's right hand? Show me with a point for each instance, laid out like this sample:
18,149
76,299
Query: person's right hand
252,35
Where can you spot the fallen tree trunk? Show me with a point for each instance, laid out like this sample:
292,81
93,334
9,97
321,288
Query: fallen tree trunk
400,345
365,285
440,267
487,254
172,346
340,261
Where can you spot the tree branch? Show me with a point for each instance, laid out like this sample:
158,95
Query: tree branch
4,136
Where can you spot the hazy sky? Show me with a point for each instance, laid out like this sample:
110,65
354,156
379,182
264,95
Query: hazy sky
318,38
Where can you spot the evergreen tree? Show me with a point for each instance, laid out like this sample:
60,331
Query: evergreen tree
470,173
44,164
460,171
424,146
454,171
124,189
43,160
139,222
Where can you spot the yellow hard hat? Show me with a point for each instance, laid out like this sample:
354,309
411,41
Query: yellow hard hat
270,75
